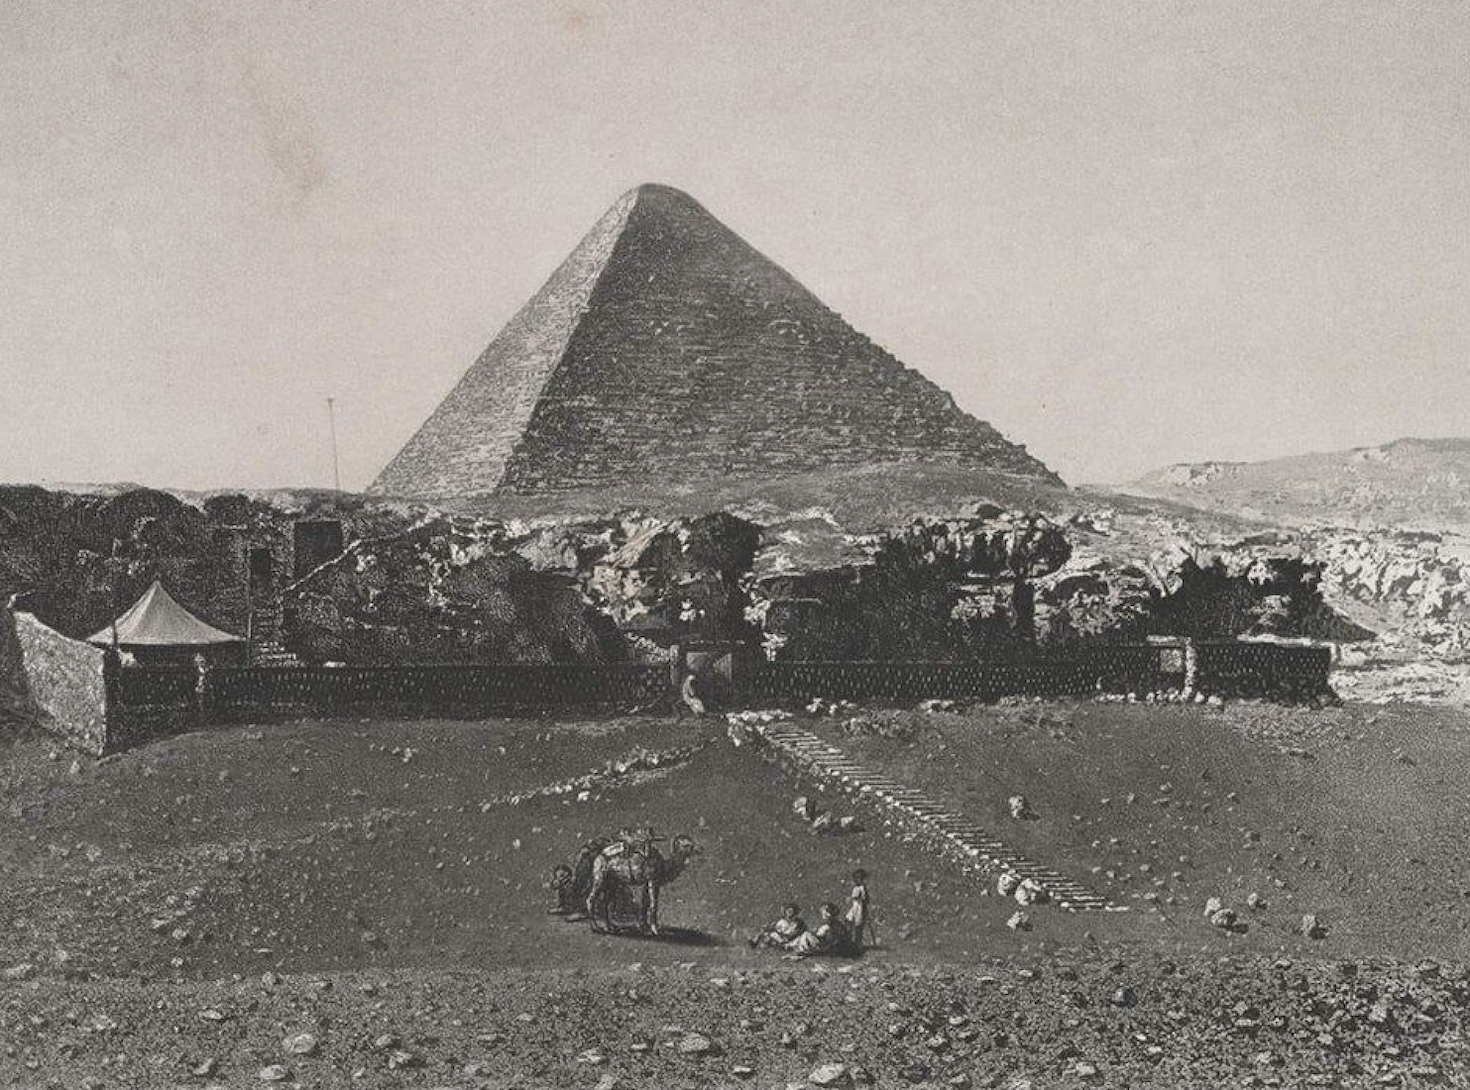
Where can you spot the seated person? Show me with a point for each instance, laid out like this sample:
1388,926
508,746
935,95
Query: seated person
784,931
830,936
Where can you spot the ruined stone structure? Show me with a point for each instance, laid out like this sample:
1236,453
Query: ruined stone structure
667,349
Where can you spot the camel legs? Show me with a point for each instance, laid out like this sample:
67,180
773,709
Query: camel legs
650,908
597,899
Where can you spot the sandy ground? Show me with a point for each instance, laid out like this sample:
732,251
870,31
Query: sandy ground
178,912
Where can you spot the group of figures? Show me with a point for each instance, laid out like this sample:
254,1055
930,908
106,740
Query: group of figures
838,932
615,881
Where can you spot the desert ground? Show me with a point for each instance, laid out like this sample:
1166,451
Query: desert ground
363,904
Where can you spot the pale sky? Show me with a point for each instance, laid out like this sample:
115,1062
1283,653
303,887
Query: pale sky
1125,234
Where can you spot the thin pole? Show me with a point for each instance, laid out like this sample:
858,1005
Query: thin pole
332,423
249,607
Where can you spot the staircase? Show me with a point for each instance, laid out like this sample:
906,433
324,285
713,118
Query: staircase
272,653
266,648
953,834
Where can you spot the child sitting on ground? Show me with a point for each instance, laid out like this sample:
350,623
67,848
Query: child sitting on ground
787,928
830,937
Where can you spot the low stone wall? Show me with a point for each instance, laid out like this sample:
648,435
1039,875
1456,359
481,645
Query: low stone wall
62,681
133,725
1246,668
150,702
1225,668
266,692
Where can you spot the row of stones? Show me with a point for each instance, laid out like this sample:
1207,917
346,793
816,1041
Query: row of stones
962,836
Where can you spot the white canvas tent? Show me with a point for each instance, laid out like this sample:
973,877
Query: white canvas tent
158,622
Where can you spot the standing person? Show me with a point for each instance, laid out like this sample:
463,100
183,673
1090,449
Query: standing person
857,914
690,695
563,894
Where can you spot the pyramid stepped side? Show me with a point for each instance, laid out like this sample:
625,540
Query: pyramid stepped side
463,448
699,358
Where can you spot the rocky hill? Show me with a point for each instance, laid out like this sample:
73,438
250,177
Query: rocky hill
601,576
1390,527
1416,484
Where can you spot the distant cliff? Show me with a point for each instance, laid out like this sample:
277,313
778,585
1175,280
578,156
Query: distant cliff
1421,484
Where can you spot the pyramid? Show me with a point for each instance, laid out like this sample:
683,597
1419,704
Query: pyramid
665,349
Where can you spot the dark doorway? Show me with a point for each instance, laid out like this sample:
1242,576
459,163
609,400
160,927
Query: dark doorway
262,565
315,542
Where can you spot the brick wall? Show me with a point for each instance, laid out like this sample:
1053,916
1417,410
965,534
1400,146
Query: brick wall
151,702
163,696
1112,669
1226,668
132,726
1245,668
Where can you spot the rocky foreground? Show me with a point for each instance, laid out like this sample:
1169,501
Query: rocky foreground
1077,1018
364,904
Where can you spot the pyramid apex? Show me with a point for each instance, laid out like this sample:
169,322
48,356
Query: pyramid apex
658,190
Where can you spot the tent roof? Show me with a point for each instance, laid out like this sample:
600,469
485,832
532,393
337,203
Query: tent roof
156,620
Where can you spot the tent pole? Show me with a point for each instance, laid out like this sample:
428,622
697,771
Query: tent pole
332,424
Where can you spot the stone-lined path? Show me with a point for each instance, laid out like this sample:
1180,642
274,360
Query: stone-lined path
955,833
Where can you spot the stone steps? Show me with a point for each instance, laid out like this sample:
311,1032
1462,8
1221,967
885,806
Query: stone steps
957,835
270,653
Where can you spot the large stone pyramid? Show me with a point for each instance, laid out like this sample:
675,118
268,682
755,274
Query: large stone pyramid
665,349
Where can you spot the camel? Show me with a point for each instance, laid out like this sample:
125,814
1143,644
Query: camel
638,873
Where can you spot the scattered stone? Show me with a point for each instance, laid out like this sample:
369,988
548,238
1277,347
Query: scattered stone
274,1073
401,1058
1224,919
299,1044
829,1074
695,1044
1312,928
1019,921
1031,892
1020,808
